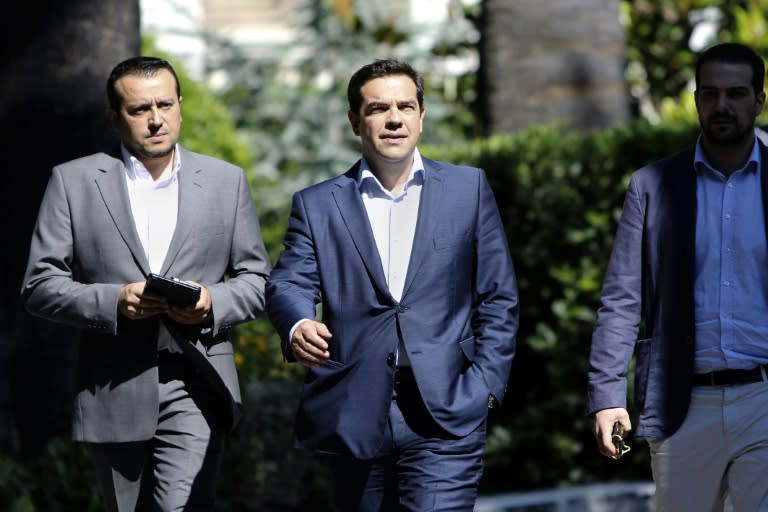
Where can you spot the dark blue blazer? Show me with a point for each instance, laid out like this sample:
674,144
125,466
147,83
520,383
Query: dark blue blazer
458,314
650,280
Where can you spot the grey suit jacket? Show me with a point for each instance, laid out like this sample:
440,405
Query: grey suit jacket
650,280
85,248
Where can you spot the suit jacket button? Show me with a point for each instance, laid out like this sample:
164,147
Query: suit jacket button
391,359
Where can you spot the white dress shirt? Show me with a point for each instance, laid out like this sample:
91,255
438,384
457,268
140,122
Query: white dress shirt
393,221
155,207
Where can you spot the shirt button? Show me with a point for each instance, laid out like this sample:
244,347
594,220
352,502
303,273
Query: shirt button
391,359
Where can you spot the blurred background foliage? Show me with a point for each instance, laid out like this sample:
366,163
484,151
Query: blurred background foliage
559,192
660,37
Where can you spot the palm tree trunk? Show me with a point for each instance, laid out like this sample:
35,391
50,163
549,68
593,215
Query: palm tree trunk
55,62
552,61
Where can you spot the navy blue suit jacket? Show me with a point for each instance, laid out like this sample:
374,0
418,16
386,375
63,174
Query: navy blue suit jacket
650,278
458,314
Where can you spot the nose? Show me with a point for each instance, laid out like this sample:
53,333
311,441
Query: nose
722,101
154,118
393,116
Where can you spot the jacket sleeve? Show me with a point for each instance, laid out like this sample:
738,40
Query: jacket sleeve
293,290
242,297
618,317
49,289
496,317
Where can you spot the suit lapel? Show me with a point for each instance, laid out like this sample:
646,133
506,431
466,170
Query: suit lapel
764,182
432,197
688,207
114,192
190,186
352,210
676,257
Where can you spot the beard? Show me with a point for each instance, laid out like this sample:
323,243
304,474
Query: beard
159,153
732,133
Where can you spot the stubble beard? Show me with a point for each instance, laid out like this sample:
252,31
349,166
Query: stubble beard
158,153
734,137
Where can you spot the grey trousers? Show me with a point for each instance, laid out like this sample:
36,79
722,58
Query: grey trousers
718,459
176,470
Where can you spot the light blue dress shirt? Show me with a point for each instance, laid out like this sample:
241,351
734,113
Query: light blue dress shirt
731,282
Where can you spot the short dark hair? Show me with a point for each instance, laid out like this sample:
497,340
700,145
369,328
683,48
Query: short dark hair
377,69
140,66
734,53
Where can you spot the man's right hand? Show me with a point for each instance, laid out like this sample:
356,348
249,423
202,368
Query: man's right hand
133,303
309,343
603,429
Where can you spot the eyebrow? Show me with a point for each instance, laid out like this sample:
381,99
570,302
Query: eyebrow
378,104
732,88
159,101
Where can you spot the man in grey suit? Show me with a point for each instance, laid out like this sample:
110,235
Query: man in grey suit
690,260
157,385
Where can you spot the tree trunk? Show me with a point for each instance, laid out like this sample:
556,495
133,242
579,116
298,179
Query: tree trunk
55,62
552,61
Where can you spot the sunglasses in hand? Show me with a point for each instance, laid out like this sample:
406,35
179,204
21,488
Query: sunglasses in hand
617,436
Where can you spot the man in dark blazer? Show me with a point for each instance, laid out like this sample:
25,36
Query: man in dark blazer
157,385
689,262
409,260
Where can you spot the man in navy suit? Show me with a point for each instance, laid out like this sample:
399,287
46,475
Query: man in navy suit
690,260
409,260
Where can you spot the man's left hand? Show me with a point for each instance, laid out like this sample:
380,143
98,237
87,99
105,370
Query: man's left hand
195,314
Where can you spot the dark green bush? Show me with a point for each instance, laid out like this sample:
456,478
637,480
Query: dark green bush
59,479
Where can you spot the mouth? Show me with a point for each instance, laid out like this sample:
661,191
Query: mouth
722,120
394,138
156,136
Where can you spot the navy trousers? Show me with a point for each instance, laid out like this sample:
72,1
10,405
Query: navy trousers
420,468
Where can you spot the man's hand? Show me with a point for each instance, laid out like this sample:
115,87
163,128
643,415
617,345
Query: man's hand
603,429
133,303
196,313
310,343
